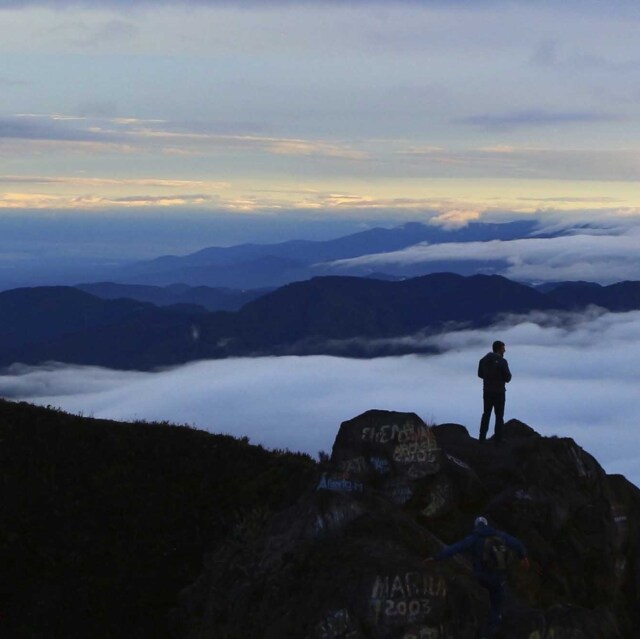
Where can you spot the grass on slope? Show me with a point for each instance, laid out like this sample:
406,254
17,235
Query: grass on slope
103,523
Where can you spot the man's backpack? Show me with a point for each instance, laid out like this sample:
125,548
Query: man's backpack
495,554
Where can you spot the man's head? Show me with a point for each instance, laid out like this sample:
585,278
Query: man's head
499,347
480,522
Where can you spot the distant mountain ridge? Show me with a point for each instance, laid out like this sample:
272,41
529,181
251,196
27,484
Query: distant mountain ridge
211,299
272,265
349,316
36,315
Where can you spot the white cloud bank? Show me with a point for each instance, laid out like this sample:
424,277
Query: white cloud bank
594,256
580,380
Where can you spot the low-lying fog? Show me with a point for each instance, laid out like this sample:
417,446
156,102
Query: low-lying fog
574,376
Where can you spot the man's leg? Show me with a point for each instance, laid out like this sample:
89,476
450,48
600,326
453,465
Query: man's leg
495,587
486,416
498,407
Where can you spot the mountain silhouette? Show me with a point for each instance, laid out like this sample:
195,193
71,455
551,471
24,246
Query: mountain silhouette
356,317
342,308
272,265
69,325
211,299
623,296
36,315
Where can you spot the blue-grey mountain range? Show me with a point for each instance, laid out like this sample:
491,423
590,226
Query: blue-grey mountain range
349,316
176,295
271,265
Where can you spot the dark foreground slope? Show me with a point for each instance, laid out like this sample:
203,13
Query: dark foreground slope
346,561
103,523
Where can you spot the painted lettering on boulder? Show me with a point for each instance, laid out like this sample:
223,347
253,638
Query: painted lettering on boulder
411,445
338,624
355,466
406,597
426,632
399,491
407,433
380,465
339,484
439,497
333,519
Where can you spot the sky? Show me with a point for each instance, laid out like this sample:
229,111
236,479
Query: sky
573,376
209,111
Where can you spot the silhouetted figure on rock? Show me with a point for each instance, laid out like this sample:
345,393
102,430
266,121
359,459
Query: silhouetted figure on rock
490,550
494,371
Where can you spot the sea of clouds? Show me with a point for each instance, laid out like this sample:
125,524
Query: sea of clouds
575,376
596,255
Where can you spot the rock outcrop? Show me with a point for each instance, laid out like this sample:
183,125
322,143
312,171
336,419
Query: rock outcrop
347,561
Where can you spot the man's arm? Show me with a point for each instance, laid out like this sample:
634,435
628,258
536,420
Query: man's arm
454,549
505,371
480,371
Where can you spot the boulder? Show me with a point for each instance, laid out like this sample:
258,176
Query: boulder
347,561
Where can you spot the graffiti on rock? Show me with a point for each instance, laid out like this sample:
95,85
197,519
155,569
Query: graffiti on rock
339,484
439,497
407,433
336,518
338,624
356,466
414,452
398,491
406,597
458,462
380,465
619,513
426,632
411,443
581,467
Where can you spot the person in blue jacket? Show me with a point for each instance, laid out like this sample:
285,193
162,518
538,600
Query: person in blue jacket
486,545
493,370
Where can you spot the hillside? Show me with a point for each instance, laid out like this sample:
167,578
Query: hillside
103,523
150,530
348,316
306,314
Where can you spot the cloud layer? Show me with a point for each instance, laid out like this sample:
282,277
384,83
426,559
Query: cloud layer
601,255
574,378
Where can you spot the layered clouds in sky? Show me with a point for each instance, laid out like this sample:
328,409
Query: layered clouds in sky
575,376
278,105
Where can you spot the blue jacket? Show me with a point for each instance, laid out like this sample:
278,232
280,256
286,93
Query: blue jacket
474,543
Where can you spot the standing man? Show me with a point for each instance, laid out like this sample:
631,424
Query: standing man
489,548
493,369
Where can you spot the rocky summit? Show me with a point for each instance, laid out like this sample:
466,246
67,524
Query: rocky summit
347,560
